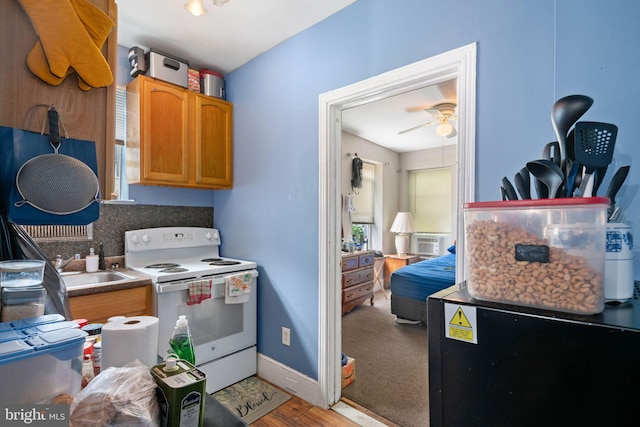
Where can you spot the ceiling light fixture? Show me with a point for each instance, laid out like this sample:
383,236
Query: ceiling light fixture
195,7
444,129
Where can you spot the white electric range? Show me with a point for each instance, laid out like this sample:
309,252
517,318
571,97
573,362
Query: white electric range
224,333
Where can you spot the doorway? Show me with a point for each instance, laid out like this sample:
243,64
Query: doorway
459,64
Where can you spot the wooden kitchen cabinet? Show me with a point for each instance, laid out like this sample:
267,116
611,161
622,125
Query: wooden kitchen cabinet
99,307
357,279
177,137
394,261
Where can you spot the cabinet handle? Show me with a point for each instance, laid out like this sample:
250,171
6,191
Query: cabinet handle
369,275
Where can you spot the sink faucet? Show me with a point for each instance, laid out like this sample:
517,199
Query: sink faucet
61,264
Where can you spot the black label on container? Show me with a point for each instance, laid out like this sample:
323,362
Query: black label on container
532,253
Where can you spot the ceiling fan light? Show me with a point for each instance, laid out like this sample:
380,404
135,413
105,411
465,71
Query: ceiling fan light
445,129
195,7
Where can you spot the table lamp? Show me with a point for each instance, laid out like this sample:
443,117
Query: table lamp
403,226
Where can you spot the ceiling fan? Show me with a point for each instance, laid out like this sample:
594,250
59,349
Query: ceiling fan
443,113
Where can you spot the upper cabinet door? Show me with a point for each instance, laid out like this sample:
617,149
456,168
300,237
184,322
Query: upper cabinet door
178,138
213,142
165,133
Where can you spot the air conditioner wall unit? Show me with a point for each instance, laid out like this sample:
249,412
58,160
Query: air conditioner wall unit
429,244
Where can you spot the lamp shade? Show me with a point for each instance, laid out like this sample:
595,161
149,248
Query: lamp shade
403,223
445,129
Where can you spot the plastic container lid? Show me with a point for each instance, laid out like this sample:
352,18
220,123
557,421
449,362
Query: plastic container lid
539,203
21,265
37,320
204,72
55,341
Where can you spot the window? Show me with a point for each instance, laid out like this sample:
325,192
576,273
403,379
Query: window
430,199
120,176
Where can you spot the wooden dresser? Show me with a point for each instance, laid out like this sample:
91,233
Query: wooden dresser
357,279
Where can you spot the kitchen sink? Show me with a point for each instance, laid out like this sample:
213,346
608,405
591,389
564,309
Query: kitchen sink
84,280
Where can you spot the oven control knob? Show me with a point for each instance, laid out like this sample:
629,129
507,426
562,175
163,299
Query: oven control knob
209,235
134,239
145,238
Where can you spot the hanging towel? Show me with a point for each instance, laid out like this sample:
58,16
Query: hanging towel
198,291
237,288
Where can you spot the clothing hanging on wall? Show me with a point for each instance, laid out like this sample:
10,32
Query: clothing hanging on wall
356,173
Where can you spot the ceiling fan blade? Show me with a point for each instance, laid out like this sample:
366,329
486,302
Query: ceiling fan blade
415,127
453,133
435,113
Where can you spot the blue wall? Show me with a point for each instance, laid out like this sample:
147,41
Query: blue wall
530,53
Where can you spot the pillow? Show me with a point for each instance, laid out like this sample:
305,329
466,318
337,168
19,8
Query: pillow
452,249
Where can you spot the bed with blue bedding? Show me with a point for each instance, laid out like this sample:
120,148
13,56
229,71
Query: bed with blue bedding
411,285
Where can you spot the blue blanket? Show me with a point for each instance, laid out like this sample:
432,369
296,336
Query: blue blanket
421,279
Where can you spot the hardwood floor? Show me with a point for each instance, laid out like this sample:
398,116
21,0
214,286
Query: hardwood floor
296,412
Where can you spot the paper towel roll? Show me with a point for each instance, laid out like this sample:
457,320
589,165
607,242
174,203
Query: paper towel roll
128,339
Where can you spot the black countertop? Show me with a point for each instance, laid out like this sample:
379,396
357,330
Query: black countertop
620,315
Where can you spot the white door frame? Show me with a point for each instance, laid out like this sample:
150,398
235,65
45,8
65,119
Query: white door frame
459,63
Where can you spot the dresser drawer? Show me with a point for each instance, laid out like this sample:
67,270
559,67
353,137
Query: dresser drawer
366,259
358,291
358,276
349,263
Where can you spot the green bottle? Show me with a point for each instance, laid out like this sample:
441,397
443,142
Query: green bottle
181,343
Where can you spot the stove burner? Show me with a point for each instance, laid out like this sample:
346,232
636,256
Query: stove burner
223,262
174,270
211,259
163,265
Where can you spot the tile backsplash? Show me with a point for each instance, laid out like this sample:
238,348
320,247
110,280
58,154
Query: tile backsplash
116,218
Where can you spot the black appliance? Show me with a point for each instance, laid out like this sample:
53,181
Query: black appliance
531,367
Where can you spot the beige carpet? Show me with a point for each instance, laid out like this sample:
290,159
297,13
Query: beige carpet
391,363
251,398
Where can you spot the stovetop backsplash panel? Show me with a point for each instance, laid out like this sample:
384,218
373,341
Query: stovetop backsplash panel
115,219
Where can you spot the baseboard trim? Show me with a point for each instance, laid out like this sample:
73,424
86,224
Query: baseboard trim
291,381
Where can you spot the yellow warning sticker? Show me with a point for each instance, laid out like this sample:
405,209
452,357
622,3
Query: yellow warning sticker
461,323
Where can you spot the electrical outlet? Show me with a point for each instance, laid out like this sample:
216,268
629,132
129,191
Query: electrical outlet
286,336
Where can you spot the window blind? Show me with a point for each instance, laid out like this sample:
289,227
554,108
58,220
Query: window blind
430,199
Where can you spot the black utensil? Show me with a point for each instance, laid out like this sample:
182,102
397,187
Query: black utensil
502,193
594,144
551,151
614,186
564,113
523,184
510,192
547,172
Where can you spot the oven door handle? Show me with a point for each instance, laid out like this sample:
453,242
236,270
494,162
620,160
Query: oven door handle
184,285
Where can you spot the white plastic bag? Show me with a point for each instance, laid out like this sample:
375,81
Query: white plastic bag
123,396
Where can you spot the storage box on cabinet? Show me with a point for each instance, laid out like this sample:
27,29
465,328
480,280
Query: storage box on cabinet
178,138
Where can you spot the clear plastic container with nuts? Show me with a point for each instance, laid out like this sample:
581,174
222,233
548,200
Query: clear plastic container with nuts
544,253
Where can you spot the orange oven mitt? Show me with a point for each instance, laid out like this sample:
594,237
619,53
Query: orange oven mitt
66,42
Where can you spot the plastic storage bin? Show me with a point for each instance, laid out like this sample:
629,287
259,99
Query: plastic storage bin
21,272
41,367
22,303
544,253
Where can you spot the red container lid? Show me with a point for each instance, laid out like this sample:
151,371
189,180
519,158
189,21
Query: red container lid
540,203
81,322
204,72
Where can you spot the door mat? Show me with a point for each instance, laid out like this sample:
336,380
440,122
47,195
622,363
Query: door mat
251,398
